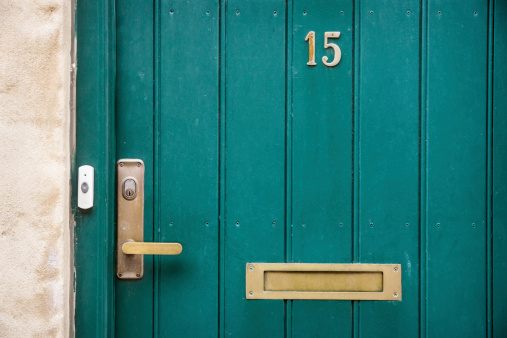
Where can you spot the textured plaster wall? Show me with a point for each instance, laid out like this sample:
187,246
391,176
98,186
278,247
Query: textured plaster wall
35,257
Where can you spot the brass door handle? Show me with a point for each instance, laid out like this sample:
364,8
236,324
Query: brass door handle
130,247
143,248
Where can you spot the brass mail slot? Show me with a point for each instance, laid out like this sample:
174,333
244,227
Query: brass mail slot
323,281
329,281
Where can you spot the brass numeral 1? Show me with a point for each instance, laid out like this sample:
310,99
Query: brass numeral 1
310,37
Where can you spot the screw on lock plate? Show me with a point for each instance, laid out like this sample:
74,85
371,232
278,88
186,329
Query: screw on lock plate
129,189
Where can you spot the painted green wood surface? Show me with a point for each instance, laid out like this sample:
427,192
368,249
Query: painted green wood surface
456,167
94,242
254,159
388,176
188,168
134,139
321,159
499,138
396,155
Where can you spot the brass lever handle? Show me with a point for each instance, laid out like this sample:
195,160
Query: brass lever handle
144,248
131,248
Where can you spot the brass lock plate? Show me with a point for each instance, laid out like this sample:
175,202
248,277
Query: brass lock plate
130,222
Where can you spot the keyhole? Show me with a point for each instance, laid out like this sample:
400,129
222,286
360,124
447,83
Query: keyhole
129,189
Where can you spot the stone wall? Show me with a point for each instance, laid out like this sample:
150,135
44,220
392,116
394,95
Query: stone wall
35,148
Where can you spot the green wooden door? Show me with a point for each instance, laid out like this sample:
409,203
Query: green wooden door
252,155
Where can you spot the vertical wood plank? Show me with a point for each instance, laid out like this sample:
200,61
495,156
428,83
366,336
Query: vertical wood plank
457,119
134,132
221,183
499,214
489,176
95,145
356,113
322,158
156,161
188,162
389,158
423,172
254,159
288,152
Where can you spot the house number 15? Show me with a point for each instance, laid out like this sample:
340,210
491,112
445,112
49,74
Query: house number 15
310,37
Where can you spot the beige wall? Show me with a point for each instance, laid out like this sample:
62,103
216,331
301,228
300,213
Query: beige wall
35,115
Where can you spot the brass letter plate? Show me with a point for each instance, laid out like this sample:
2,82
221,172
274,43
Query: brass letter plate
323,281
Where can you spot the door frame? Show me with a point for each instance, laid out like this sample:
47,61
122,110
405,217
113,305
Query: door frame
95,146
